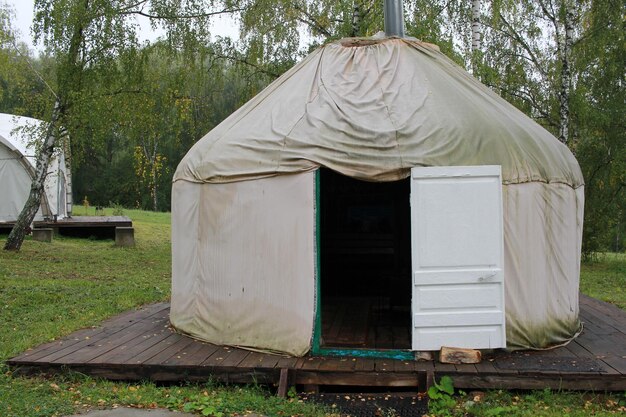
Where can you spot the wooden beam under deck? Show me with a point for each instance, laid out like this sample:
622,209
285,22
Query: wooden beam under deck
140,345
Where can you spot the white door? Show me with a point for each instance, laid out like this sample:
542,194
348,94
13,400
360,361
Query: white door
457,257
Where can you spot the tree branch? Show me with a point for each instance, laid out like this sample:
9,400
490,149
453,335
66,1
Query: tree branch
516,36
311,21
179,16
246,62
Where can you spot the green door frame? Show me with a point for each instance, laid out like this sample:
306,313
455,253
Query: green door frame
316,348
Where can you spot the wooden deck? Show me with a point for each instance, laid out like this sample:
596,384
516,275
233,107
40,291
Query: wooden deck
365,322
140,345
80,226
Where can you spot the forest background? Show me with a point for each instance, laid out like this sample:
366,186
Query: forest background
132,109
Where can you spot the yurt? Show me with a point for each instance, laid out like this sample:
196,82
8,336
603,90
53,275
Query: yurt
377,199
17,169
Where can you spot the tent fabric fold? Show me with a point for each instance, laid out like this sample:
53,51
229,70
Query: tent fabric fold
372,112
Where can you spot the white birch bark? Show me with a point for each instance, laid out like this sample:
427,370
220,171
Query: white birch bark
475,25
476,34
566,72
356,19
26,216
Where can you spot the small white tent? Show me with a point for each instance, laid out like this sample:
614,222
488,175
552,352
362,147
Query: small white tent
17,169
246,204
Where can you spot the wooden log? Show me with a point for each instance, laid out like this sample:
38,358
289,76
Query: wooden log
459,355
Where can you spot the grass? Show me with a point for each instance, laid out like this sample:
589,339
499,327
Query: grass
538,403
49,290
604,278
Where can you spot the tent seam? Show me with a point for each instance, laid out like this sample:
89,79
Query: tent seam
395,128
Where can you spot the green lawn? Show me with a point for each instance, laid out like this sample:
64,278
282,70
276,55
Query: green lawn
50,290
605,278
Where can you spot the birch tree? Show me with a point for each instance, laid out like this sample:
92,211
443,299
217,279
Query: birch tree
86,38
527,49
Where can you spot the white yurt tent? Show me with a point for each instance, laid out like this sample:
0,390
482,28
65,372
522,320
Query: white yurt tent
245,198
17,169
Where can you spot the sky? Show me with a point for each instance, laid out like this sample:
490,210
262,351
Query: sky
24,17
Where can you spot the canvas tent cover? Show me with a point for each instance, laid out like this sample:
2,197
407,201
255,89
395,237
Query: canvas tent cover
17,168
370,109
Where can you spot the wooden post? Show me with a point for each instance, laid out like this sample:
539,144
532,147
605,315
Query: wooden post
283,383
43,235
124,236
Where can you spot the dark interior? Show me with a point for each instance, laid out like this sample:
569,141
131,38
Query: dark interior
365,262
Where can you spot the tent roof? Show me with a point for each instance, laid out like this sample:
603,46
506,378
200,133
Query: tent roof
372,109
18,140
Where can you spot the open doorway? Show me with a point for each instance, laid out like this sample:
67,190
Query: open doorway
365,256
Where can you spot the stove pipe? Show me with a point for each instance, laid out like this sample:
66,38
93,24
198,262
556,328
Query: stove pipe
394,18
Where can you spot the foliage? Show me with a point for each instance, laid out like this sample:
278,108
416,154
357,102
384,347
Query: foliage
440,397
598,108
537,403
162,97
542,403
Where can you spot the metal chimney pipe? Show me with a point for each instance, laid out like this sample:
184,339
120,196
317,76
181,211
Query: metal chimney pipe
394,18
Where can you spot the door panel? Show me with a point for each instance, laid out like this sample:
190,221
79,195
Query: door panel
457,257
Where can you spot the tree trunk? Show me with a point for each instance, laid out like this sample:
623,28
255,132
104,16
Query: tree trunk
356,20
475,34
154,188
566,73
67,152
25,219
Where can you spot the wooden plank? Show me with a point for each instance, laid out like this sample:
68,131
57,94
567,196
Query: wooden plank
487,367
109,326
404,366
444,367
141,357
365,364
384,365
333,364
235,358
178,345
350,323
575,349
35,355
598,311
152,330
467,368
336,320
526,382
357,378
287,362
194,354
253,360
310,363
109,330
103,345
617,363
603,346
123,353
427,366
88,221
220,354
